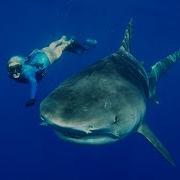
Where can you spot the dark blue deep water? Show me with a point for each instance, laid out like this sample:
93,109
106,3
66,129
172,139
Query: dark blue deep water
29,151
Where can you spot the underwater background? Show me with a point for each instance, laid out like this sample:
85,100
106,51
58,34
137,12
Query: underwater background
31,151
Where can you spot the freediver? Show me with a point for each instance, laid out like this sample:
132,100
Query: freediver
32,68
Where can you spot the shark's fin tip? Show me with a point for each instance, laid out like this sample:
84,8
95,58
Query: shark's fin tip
150,136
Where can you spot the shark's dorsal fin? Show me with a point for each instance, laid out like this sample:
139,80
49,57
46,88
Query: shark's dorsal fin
127,38
151,137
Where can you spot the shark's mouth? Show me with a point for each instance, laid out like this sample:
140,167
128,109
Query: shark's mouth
77,134
70,132
81,136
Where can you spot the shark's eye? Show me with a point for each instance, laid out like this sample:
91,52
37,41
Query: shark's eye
91,126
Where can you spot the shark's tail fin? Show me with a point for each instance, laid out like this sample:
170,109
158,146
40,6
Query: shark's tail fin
160,68
126,43
150,136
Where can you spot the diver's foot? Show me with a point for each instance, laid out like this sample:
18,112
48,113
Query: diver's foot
66,44
61,41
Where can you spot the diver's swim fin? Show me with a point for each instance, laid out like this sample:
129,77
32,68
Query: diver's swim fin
79,48
125,45
75,47
150,136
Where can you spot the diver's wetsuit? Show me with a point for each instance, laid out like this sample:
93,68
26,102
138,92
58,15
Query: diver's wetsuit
33,69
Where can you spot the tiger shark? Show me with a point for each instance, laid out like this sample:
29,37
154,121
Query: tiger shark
107,102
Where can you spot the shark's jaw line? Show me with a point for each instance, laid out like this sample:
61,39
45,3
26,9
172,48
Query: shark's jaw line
91,136
88,138
99,136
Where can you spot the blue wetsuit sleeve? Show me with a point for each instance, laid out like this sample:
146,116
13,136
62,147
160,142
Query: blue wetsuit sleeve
33,85
30,75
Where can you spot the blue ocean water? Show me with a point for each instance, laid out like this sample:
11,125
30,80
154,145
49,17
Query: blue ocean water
29,151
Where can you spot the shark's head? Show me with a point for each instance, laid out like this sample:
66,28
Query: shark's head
91,118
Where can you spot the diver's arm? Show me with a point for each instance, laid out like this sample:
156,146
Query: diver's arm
33,84
33,89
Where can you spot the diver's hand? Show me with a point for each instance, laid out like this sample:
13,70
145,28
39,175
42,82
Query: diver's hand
30,102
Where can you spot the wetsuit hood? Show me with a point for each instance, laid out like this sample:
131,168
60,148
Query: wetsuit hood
15,66
16,60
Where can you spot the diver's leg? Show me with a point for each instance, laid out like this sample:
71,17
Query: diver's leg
54,52
56,48
50,54
58,42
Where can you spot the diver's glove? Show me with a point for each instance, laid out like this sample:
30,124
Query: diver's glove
30,102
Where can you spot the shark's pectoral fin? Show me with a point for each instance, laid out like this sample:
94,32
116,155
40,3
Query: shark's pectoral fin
151,137
159,69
